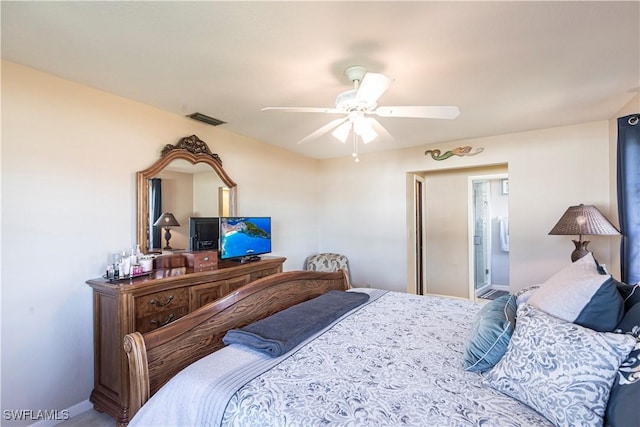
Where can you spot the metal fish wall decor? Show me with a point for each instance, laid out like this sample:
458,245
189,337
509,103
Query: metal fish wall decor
460,151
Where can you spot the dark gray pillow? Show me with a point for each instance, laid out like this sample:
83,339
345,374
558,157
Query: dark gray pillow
629,293
622,409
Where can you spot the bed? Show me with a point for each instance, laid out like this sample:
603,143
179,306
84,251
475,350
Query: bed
392,359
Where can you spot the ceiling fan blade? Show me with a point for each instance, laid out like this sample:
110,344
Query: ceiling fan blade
304,110
419,112
372,87
324,129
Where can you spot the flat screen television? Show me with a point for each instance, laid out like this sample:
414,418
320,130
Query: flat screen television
204,233
244,238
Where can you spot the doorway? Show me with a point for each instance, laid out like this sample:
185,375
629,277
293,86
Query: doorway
439,217
489,236
481,235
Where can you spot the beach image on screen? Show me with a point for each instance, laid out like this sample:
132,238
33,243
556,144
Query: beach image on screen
245,236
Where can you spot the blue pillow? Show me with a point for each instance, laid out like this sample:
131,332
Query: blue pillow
490,334
622,409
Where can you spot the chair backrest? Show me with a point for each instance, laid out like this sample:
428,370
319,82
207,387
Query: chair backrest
327,262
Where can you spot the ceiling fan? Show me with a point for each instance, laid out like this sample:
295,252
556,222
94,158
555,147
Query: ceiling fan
359,103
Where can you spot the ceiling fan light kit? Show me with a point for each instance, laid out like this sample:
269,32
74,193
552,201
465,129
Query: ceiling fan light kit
341,133
357,103
363,129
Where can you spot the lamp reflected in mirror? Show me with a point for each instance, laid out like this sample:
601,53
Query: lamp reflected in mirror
583,220
166,221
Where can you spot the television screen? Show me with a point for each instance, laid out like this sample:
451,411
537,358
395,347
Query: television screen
203,233
244,237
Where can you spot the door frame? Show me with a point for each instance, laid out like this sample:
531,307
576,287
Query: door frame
471,226
420,235
415,181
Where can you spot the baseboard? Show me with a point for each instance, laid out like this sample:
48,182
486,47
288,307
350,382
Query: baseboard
71,412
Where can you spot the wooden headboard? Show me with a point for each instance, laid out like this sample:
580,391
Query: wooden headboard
157,356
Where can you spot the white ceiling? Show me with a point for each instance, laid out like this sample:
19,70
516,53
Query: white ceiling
509,66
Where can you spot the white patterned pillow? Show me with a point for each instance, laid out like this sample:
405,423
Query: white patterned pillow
523,295
560,369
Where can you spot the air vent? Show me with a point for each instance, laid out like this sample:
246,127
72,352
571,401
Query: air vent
205,119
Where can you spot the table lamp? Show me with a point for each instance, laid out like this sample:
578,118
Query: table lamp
583,220
166,221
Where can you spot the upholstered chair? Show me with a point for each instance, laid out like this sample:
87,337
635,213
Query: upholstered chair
328,262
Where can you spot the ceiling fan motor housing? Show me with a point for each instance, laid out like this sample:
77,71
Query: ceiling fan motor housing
346,101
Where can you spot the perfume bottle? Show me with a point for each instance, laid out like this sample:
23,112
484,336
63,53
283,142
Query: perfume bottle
125,265
117,260
133,258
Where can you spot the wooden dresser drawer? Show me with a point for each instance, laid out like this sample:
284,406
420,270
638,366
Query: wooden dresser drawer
159,318
202,260
209,292
204,294
263,273
161,301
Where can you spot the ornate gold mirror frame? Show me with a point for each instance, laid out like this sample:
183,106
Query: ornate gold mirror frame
192,149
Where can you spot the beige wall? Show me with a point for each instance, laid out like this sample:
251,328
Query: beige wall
366,214
178,198
69,157
206,188
446,233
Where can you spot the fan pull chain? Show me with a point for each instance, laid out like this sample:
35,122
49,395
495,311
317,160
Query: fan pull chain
355,148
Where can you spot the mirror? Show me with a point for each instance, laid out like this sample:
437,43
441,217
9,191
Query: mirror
189,155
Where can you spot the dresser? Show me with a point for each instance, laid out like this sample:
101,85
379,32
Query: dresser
149,302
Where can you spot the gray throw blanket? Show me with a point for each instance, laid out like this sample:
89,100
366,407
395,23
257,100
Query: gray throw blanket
282,331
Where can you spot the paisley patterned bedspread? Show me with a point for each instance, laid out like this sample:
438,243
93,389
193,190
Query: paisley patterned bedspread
394,361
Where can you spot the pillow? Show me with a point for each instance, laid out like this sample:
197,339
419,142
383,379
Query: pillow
560,369
630,293
622,409
490,334
580,294
524,294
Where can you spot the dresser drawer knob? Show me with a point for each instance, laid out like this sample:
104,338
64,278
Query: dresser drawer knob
161,304
159,323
